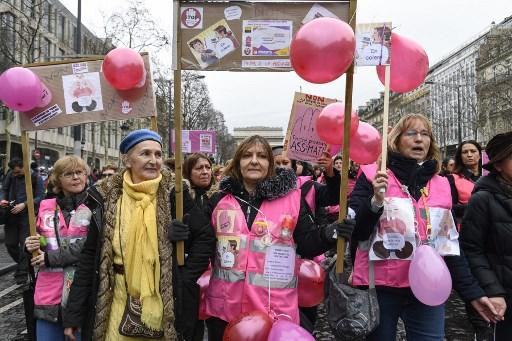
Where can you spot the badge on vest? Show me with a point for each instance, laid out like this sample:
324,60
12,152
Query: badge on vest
444,236
228,248
226,221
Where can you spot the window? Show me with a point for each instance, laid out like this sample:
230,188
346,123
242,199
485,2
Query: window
49,18
60,131
73,40
46,49
7,24
62,28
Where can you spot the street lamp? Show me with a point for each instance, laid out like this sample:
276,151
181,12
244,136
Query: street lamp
459,113
192,78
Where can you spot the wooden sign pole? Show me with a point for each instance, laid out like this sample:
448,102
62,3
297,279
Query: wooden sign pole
340,246
178,154
25,148
385,119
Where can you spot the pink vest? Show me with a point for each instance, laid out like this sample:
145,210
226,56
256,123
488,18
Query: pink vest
51,281
464,188
395,273
246,260
311,195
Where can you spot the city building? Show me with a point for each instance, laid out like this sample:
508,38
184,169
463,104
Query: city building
457,91
274,135
45,31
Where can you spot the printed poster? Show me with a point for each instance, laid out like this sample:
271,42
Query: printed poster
373,44
444,232
301,141
213,44
264,38
82,92
318,11
395,236
196,141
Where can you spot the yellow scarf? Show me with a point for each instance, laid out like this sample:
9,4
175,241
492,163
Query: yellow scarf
140,254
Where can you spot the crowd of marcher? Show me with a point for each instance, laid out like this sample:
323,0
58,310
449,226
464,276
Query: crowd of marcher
103,264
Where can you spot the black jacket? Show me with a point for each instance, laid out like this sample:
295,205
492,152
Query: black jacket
310,239
486,236
415,177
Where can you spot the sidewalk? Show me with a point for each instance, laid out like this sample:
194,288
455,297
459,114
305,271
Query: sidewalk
6,262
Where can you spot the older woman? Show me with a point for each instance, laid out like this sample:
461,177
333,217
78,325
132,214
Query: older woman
62,225
123,286
486,233
257,216
393,204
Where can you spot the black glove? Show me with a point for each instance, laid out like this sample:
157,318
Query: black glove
343,229
178,230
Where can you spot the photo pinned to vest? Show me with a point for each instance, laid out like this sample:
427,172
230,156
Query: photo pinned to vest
444,232
285,229
226,221
395,237
228,248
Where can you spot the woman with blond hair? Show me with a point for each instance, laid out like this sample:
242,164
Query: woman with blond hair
392,219
62,225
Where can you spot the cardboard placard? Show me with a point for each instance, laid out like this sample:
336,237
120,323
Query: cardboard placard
246,36
301,141
81,94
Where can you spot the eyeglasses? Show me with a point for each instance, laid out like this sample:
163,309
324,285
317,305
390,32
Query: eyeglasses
106,175
414,133
70,175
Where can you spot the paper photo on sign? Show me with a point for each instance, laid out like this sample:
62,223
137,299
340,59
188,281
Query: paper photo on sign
205,143
373,44
266,37
228,248
191,18
213,44
82,92
301,141
318,11
444,231
395,236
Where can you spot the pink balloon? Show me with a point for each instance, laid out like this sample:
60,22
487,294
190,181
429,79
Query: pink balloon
251,326
334,149
329,124
322,50
311,283
365,145
429,277
124,69
284,330
20,89
46,96
409,64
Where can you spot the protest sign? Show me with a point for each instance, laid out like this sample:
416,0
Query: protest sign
373,44
196,141
301,141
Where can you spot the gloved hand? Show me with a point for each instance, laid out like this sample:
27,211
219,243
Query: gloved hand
343,229
178,230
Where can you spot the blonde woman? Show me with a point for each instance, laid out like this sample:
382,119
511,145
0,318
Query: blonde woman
62,225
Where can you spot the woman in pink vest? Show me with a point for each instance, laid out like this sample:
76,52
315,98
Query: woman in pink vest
391,220
62,225
261,225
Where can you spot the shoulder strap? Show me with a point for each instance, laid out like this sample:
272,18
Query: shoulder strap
453,188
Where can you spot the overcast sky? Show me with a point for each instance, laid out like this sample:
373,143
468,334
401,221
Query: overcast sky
249,99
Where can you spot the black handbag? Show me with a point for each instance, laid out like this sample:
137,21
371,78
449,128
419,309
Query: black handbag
131,324
352,313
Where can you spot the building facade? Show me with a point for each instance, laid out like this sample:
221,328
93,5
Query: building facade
452,96
34,31
274,135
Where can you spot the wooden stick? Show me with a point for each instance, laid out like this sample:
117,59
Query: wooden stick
178,155
385,120
340,246
154,124
25,148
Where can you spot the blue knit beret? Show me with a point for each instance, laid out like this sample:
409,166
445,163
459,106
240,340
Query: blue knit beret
136,137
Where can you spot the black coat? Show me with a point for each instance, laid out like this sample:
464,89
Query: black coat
415,177
486,236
